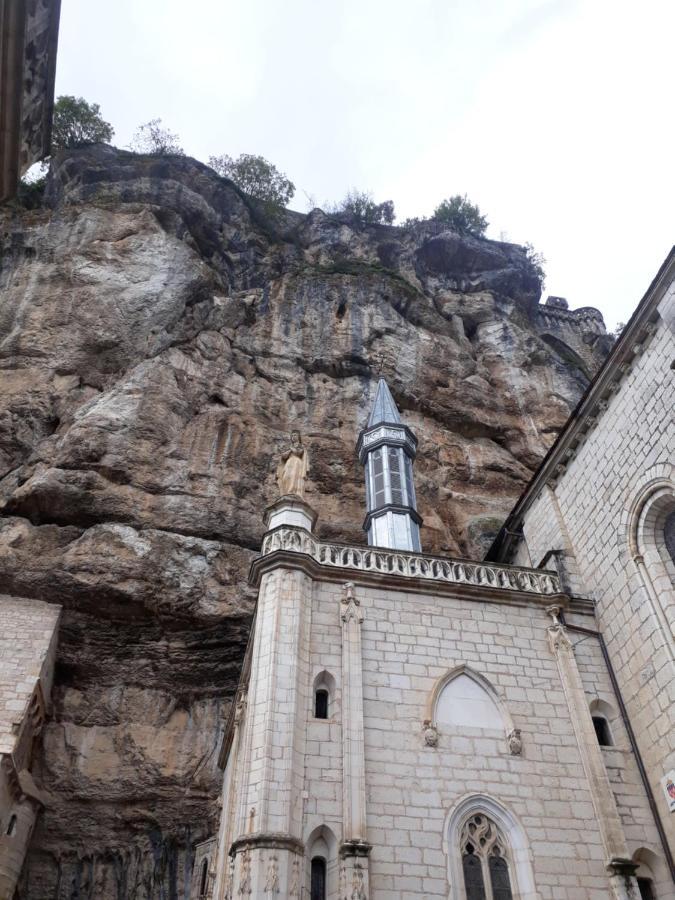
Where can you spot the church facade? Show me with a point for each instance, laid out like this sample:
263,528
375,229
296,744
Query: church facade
419,726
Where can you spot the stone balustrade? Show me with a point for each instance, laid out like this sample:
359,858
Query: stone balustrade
410,565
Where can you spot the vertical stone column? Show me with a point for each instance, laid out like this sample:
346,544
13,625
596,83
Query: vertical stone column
270,806
355,848
620,868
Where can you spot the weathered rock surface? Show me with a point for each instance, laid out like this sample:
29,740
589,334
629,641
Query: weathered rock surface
159,338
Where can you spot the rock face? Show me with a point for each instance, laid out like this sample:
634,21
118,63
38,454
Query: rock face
160,336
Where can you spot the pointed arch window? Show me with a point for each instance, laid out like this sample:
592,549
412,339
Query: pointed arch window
485,862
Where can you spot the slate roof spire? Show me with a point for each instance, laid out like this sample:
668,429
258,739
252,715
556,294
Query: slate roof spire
387,449
384,409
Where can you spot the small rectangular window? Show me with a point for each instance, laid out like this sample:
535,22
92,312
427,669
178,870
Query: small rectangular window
321,704
602,731
318,879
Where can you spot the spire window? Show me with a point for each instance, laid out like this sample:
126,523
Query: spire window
395,476
387,448
378,479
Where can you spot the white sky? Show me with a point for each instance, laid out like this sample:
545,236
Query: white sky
555,116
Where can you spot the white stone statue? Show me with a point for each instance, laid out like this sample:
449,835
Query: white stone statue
515,742
292,468
430,733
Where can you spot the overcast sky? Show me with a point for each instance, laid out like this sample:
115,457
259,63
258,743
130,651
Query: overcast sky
555,116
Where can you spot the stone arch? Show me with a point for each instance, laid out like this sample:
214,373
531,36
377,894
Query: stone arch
652,867
566,353
502,717
649,511
322,842
519,853
645,541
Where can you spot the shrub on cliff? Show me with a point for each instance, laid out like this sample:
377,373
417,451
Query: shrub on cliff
153,139
361,207
461,215
537,261
77,123
256,177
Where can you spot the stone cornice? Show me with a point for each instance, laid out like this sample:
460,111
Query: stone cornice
267,840
630,345
328,561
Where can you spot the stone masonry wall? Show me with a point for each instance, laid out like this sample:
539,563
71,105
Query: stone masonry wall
409,642
631,446
27,650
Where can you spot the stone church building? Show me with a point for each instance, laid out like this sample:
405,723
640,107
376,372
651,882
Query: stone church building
418,726
410,725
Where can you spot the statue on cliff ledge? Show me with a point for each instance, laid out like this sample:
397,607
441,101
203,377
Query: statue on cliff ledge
292,468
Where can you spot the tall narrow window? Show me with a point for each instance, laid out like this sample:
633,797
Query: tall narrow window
321,704
11,827
204,876
395,476
378,478
318,879
410,490
473,875
602,731
484,860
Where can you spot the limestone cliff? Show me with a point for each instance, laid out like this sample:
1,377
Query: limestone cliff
159,338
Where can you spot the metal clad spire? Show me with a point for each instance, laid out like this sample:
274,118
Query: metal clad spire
384,409
387,449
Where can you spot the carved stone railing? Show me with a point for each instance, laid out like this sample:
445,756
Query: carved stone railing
410,565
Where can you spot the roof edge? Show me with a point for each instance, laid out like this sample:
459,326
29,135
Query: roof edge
582,418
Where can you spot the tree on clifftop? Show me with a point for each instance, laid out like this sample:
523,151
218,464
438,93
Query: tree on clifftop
77,123
461,215
151,138
361,206
257,177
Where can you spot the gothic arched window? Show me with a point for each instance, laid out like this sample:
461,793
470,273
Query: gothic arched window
485,861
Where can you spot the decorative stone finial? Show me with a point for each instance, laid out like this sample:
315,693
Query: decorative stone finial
293,468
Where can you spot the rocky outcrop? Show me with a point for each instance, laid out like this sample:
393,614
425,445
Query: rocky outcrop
160,336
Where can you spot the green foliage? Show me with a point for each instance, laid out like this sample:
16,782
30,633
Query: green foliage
31,192
154,140
537,261
361,207
256,177
77,123
461,215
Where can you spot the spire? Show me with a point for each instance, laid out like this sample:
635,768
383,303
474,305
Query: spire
387,450
384,409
